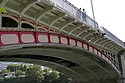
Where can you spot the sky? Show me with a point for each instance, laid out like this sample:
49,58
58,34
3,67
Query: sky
108,13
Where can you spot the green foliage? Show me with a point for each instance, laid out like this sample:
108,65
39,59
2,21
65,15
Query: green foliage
3,10
14,80
35,74
63,79
54,75
24,67
14,67
47,70
19,72
5,71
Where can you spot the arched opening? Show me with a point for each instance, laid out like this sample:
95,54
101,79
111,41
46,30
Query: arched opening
45,62
56,57
25,25
9,22
28,72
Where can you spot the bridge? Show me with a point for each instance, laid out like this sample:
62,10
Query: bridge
54,33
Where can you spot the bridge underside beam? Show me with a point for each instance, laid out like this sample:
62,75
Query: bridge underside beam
86,67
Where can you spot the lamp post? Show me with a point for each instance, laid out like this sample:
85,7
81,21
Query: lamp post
92,10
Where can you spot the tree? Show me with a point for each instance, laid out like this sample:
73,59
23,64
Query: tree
5,71
35,74
19,72
63,78
24,68
12,67
54,75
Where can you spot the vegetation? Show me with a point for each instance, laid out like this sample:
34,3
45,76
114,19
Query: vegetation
14,67
33,74
3,10
5,71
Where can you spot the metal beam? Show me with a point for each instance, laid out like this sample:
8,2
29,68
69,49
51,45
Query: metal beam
56,19
95,38
69,22
29,17
86,34
89,38
102,42
29,5
86,30
44,12
108,42
108,46
9,9
105,48
77,27
81,33
112,47
115,49
44,23
100,39
3,3
92,38
89,35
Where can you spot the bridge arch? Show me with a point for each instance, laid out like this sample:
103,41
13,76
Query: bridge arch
68,72
80,57
59,16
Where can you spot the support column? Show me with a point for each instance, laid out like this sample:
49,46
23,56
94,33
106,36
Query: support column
123,67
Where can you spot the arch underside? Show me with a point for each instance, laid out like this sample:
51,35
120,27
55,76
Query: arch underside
76,63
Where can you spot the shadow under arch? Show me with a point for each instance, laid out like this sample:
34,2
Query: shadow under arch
61,68
9,22
26,26
81,65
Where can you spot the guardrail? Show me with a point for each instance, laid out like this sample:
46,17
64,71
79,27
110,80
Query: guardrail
71,9
114,38
74,11
8,38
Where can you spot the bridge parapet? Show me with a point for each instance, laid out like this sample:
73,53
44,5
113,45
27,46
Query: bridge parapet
74,11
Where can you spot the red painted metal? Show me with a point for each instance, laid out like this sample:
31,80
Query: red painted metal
52,34
80,42
7,33
39,33
35,35
26,33
72,39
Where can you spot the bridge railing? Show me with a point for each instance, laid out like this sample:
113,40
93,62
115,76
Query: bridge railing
10,38
74,11
114,38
